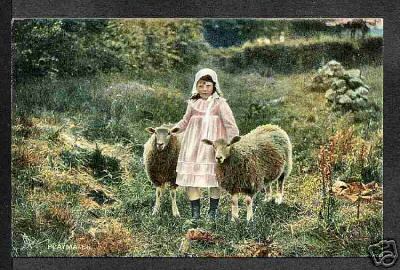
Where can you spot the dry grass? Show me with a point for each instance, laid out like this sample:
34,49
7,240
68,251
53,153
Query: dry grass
24,156
107,237
257,249
88,203
42,196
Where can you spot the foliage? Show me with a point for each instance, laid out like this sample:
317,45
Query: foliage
300,56
81,47
61,47
225,33
311,28
145,45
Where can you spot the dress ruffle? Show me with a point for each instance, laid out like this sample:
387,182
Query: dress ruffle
190,180
196,168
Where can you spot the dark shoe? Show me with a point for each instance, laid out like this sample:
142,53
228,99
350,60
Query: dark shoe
213,211
195,209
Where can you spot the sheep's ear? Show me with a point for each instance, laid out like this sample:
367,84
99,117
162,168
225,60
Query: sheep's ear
175,130
150,130
206,141
235,140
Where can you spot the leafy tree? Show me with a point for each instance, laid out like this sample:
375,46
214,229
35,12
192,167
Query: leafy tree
82,47
62,47
146,45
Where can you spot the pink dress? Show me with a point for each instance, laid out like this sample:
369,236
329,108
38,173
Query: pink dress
196,162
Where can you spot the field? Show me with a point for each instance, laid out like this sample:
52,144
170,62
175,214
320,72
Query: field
78,182
79,187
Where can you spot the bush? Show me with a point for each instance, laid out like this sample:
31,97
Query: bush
61,47
286,58
372,48
82,47
160,45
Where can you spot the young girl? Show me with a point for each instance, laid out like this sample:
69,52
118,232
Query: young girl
208,116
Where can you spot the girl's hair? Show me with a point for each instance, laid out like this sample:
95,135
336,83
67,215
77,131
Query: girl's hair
206,78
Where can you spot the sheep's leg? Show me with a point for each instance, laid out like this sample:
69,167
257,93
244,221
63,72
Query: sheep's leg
175,211
268,194
280,186
249,206
235,207
157,205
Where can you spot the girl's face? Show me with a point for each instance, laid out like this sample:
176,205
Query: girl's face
205,89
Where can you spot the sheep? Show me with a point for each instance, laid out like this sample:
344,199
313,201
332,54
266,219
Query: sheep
248,163
160,158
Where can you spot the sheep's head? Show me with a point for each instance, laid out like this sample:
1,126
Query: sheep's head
222,148
162,135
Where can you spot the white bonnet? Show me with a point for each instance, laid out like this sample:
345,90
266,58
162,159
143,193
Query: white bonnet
204,72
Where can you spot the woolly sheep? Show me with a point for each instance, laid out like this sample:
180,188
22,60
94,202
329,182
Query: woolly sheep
160,157
248,163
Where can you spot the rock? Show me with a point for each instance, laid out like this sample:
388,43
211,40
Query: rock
326,84
328,73
350,73
334,64
338,83
342,90
336,68
355,82
344,99
361,102
338,73
361,91
352,94
330,95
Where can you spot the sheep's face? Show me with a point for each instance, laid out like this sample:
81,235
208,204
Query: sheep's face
162,136
222,148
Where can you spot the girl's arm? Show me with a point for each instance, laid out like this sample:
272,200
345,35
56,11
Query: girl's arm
185,120
228,120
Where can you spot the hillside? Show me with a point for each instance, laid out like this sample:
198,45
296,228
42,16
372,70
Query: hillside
79,186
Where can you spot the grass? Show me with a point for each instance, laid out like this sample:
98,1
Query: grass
79,186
